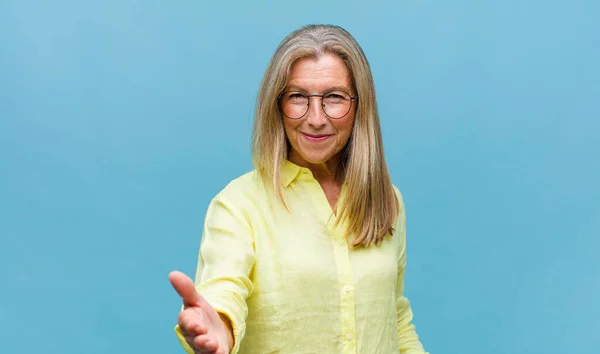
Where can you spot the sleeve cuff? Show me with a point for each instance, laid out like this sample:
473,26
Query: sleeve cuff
236,319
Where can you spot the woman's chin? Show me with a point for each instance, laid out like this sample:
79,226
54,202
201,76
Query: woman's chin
315,158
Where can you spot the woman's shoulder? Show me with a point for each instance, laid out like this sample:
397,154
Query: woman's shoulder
243,187
401,218
399,196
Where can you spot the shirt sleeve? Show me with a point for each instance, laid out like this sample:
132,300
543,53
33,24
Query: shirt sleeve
225,262
408,339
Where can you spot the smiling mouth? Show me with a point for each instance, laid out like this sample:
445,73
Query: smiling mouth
316,138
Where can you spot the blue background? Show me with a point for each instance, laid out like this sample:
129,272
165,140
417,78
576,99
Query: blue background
119,120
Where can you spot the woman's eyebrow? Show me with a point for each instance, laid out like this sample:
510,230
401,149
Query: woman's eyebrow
333,88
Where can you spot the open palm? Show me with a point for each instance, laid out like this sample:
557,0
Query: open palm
201,325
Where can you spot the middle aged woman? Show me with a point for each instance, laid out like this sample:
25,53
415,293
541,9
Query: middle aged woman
306,253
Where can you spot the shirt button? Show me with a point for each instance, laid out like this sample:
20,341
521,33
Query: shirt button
349,336
346,288
341,243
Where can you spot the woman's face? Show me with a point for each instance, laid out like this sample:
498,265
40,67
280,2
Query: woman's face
315,138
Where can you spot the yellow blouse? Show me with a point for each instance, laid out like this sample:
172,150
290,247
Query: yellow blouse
288,281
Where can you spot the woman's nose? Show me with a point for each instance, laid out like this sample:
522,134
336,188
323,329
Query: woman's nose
316,116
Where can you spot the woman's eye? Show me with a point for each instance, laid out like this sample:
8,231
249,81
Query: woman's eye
334,97
296,97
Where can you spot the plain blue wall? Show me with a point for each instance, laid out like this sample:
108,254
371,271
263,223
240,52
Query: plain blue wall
119,120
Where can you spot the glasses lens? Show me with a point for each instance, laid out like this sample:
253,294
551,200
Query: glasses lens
337,104
294,104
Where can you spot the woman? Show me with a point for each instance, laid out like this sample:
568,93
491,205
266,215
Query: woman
305,254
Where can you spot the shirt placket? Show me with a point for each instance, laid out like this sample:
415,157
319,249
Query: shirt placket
347,300
344,268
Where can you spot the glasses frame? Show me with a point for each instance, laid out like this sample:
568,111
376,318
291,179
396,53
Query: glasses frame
352,99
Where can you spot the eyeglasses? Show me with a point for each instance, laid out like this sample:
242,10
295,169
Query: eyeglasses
335,104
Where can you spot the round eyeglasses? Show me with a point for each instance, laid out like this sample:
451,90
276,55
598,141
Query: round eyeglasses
335,104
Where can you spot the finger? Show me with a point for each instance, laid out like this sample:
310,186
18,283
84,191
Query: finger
202,344
194,345
206,343
190,340
192,329
185,288
191,321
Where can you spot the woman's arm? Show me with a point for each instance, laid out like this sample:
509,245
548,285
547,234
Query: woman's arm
224,265
408,339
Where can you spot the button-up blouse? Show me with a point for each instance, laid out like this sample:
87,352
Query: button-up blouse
289,282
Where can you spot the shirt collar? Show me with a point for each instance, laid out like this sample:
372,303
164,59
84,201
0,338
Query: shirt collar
290,172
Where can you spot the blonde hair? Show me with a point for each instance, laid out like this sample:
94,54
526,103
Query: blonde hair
371,205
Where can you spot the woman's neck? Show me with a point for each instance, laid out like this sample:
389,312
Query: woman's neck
326,173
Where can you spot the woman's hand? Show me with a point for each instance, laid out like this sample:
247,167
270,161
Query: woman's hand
204,329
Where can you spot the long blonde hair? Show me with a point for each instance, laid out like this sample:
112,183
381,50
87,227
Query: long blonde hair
371,206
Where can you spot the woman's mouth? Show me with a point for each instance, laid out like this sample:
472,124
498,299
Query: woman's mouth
316,137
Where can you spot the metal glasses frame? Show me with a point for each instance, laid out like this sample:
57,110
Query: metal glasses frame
352,99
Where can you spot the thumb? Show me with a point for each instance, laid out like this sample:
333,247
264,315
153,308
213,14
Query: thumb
185,288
